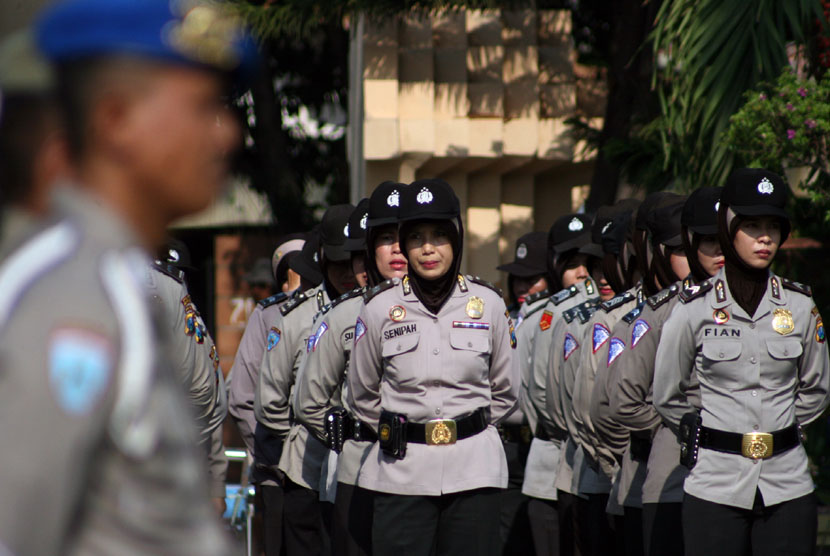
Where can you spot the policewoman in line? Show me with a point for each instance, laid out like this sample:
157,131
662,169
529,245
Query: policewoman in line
432,366
632,375
755,341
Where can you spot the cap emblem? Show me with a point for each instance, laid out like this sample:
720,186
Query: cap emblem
521,251
363,221
575,225
765,187
393,200
346,230
205,34
717,206
173,255
424,197
606,227
316,258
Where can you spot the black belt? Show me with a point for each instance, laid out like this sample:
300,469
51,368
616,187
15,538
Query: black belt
753,445
640,447
441,430
557,434
515,433
361,432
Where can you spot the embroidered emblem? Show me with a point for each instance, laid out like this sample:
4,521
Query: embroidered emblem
364,221
547,318
776,291
720,291
600,336
570,345
638,331
407,288
359,330
782,321
606,227
424,196
765,187
320,331
214,355
397,313
521,251
717,206
394,199
511,330
472,325
80,364
589,286
346,230
201,333
575,224
274,336
190,324
475,307
615,349
819,330
720,316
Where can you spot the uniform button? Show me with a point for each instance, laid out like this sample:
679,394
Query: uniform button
438,411
720,355
399,347
752,360
436,383
470,344
756,427
754,393
752,325
786,352
755,461
435,351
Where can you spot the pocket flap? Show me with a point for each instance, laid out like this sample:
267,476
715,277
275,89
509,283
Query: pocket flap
785,348
721,350
401,344
472,340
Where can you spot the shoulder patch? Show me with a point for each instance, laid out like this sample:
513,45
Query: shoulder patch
663,296
695,291
295,302
370,293
484,283
634,313
534,297
569,345
599,336
564,294
640,328
80,368
615,349
274,336
615,302
546,320
169,270
273,300
797,287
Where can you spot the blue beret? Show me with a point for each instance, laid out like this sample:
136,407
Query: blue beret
188,32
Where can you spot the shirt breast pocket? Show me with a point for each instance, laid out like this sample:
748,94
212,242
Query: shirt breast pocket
720,362
780,370
470,353
400,357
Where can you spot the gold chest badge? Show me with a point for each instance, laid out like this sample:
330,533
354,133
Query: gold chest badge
475,307
397,313
782,321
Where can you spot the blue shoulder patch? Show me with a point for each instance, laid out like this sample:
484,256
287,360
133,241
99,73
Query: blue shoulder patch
638,331
274,336
359,329
601,334
570,345
80,366
615,349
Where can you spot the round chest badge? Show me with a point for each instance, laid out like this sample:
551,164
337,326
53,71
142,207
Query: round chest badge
521,251
720,316
397,313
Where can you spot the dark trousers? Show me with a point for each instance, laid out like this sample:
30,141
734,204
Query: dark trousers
566,506
305,527
272,498
544,526
515,528
351,530
594,535
662,529
632,531
463,523
788,528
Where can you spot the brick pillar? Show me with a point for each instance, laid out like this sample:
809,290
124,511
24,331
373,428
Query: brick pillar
232,305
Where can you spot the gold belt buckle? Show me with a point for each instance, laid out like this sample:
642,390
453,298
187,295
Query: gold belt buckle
757,445
441,431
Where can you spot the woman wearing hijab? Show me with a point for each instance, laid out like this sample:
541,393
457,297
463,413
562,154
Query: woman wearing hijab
755,342
432,370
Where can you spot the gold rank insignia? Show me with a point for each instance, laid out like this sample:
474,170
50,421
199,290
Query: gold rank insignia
406,287
720,291
782,321
475,307
397,313
720,316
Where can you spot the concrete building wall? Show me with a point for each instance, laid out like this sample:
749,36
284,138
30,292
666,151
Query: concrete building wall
480,99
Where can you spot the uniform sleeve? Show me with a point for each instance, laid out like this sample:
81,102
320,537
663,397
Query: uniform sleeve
207,393
504,389
244,376
524,339
553,380
631,404
582,389
569,368
366,369
276,375
674,367
217,464
320,377
538,376
813,373
612,438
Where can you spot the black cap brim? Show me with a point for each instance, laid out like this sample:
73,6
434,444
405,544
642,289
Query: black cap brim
592,249
306,271
520,270
336,253
574,243
351,245
430,216
375,222
704,230
674,241
759,210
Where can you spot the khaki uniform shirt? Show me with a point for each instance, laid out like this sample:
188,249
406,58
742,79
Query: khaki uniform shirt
244,373
543,457
100,448
286,343
757,374
445,366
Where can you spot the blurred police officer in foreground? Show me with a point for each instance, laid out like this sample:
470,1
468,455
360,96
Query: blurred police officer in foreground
104,456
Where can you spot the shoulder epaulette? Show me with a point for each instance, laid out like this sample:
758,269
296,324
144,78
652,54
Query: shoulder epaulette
272,300
170,270
634,313
348,295
570,314
295,302
484,283
534,297
797,287
615,302
586,310
382,287
562,295
663,296
693,292
536,309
